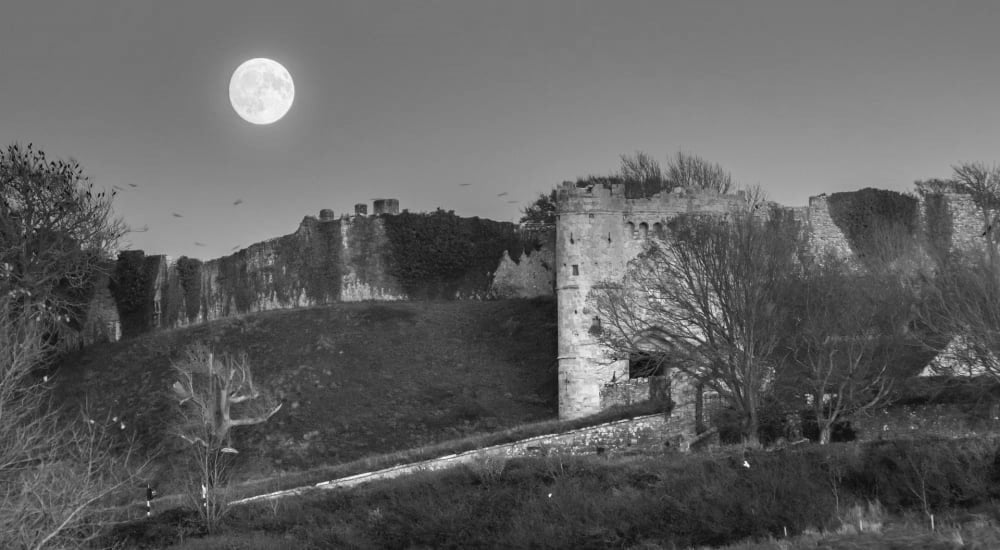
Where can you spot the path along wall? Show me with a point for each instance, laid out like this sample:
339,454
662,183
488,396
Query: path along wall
657,430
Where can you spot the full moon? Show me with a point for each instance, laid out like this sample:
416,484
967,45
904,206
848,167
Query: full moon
261,91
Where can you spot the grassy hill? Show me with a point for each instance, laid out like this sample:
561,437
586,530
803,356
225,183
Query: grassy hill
356,379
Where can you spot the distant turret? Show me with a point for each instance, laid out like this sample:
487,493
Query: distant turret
326,215
386,206
361,209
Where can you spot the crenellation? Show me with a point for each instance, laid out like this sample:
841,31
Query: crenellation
386,206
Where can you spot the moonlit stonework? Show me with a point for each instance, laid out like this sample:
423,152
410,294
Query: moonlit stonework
261,91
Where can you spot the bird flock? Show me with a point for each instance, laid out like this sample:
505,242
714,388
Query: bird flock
145,228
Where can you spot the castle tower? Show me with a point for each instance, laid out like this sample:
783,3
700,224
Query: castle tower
386,206
598,231
592,244
361,209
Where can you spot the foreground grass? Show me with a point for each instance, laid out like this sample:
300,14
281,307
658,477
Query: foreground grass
653,501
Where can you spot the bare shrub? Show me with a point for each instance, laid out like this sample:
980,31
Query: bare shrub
488,469
213,397
58,472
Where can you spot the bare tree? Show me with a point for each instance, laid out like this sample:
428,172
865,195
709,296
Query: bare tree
982,183
56,470
694,172
642,168
56,231
209,392
683,170
709,297
843,324
543,210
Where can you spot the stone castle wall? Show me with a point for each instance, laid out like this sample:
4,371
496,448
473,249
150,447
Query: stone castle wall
824,235
327,260
967,224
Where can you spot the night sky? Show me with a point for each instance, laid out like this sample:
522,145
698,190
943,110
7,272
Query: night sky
411,99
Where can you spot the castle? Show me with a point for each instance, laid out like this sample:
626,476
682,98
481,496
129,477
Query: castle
599,228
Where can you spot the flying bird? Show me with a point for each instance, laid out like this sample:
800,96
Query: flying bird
132,185
464,184
176,215
237,202
235,247
199,244
511,202
115,187
502,194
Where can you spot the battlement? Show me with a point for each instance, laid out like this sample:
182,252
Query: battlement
386,206
612,195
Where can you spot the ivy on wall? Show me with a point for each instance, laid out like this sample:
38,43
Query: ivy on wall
439,255
868,216
363,242
236,288
306,261
131,286
323,271
940,226
189,280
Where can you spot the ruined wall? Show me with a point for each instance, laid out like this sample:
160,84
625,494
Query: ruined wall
531,275
824,235
352,258
963,220
966,221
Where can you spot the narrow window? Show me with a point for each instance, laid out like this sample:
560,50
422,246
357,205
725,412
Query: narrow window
643,230
658,230
630,229
576,270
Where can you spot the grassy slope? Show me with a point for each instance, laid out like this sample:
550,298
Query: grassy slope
356,379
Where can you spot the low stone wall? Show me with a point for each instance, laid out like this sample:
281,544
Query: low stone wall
635,390
612,437
941,420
